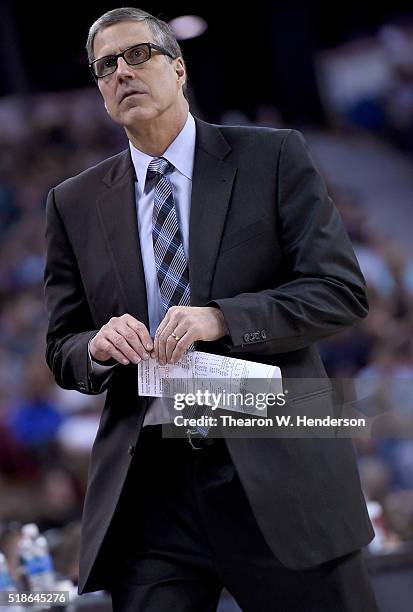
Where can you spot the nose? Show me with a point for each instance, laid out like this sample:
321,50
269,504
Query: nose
123,69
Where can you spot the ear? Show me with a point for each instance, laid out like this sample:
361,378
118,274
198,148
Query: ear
180,70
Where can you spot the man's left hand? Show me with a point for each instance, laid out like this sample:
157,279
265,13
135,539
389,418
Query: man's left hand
184,325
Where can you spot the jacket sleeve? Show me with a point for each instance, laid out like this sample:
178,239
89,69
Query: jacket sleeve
70,323
325,291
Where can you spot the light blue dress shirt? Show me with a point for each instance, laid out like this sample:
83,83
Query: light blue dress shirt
180,154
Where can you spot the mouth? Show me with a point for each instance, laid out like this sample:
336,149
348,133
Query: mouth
128,94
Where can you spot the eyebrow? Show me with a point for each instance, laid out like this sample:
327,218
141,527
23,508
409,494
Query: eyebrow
134,44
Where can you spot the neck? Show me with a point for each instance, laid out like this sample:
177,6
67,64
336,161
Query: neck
154,137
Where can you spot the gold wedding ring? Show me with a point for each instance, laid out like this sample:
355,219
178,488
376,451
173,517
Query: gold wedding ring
177,338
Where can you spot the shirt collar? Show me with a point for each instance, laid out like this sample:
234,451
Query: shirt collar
180,153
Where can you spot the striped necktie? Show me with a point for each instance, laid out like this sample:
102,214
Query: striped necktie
171,264
170,260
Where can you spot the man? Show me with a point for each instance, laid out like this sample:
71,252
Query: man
222,237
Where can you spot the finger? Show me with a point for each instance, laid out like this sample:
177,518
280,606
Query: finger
109,349
165,342
166,327
181,346
120,344
158,333
163,339
141,330
174,338
133,337
170,346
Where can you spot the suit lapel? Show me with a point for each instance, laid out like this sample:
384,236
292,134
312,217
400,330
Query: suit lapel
117,212
213,177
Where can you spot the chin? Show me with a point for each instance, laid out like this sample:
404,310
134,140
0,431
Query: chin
137,113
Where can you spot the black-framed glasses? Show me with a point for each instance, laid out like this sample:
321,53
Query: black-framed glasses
138,54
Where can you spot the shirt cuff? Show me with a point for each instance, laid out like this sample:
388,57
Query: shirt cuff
97,367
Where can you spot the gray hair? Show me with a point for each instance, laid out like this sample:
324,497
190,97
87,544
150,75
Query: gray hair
162,33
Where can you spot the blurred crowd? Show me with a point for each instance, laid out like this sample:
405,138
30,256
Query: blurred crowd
367,83
46,433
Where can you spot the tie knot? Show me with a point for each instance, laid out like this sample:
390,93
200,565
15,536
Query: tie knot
159,165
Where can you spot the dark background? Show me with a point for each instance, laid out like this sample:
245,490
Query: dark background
264,46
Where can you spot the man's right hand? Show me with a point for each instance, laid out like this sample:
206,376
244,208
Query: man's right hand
124,339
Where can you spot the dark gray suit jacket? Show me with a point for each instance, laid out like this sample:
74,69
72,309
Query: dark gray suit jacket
267,246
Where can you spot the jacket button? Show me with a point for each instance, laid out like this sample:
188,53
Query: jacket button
131,449
263,334
246,337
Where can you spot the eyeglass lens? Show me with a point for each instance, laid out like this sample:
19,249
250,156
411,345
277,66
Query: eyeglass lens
133,56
